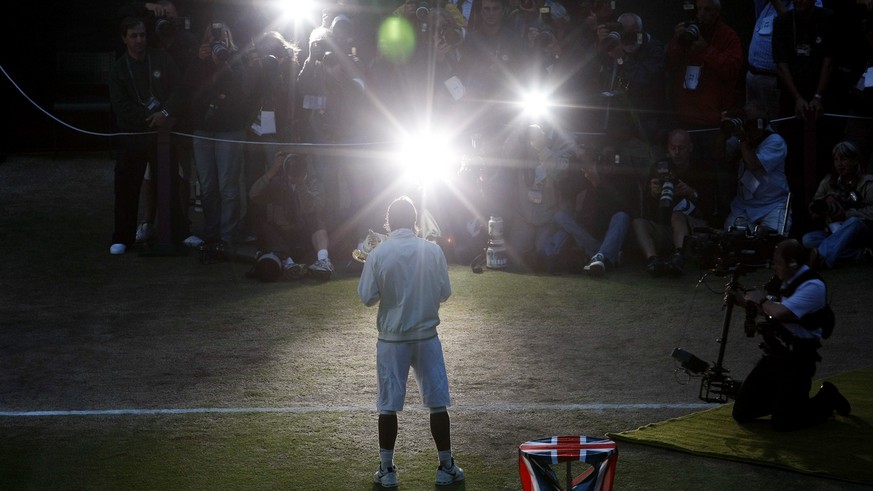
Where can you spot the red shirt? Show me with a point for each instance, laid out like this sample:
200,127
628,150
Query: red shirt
720,66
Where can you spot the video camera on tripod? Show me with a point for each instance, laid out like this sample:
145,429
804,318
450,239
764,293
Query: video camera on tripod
726,254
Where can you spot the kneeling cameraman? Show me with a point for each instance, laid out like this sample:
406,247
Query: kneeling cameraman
798,318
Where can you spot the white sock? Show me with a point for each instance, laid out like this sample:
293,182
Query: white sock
322,254
386,458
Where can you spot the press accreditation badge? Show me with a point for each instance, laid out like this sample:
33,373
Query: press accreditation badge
692,77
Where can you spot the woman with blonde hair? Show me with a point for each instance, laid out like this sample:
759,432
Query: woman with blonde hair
844,202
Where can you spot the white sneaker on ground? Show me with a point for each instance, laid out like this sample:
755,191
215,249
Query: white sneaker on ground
145,232
449,476
322,265
386,478
597,265
194,241
117,249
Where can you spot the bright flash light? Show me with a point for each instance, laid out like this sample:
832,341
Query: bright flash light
535,105
426,157
295,9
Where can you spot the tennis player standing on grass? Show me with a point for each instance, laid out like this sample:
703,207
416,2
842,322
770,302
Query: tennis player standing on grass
409,277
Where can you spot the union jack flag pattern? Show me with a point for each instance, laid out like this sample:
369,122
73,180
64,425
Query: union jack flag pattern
536,457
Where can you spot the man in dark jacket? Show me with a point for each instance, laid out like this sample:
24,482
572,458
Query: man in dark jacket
144,90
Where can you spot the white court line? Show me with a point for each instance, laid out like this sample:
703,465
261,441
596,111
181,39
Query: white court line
472,408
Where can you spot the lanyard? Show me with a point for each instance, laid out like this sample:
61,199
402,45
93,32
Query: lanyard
133,80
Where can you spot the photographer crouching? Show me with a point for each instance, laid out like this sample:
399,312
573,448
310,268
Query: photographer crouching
293,224
797,318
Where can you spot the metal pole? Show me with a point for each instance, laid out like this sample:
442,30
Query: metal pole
167,195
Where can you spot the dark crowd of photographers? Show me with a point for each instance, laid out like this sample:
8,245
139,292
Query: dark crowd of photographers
642,143
642,140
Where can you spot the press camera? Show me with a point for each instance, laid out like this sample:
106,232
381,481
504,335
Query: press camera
664,174
219,48
167,27
846,201
735,250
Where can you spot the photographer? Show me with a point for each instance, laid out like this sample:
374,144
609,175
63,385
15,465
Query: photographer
844,201
293,224
630,80
596,198
491,50
223,105
144,91
275,59
798,317
535,170
705,57
762,187
674,203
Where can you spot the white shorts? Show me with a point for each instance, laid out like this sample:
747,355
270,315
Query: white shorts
392,371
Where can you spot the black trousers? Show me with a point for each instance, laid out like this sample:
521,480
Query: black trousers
779,386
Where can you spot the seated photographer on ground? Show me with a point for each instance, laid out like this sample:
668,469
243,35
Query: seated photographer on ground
535,165
762,187
677,198
844,203
596,198
797,318
294,221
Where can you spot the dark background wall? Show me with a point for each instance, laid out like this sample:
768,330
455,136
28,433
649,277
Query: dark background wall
33,32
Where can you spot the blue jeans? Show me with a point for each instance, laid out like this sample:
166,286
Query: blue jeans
846,243
218,159
610,246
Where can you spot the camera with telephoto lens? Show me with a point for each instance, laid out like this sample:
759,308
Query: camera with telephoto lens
691,34
664,174
848,201
422,11
613,38
220,51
